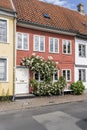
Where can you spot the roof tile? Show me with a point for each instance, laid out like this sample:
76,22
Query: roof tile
60,17
6,4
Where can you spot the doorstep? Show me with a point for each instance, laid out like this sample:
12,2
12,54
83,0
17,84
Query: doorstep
24,96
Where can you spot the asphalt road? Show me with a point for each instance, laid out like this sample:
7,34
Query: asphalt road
69,116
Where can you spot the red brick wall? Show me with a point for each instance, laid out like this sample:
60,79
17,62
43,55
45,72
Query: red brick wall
64,61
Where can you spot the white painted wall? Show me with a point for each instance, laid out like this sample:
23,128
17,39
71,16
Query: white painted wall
76,75
80,62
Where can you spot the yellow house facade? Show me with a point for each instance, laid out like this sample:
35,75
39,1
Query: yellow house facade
7,48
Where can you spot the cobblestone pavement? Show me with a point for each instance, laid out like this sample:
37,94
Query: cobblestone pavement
39,101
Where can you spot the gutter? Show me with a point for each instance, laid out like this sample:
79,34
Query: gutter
14,56
81,35
46,28
7,12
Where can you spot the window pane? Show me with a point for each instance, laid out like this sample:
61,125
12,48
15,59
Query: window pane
56,76
25,41
41,43
80,50
80,75
84,75
64,73
36,43
56,45
36,76
51,44
68,74
41,77
3,69
3,30
64,47
19,40
83,51
68,47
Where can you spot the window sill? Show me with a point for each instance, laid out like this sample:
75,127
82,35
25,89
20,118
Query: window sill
39,51
68,81
67,53
22,49
82,57
4,42
54,52
3,81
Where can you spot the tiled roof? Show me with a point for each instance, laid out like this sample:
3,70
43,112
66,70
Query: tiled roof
6,4
60,18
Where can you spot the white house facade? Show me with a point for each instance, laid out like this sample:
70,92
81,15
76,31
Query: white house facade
81,60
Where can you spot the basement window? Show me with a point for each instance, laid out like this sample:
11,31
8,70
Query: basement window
45,15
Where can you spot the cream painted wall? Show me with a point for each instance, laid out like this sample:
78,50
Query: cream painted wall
6,51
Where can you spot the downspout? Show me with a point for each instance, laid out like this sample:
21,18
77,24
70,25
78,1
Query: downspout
14,56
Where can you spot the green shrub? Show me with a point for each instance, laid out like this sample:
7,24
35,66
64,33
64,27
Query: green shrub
55,90
44,89
77,87
48,88
34,85
61,83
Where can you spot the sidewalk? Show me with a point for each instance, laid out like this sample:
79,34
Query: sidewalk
40,101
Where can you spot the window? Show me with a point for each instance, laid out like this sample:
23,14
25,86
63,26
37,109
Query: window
39,43
46,15
53,45
67,74
82,50
3,30
3,69
82,75
66,47
38,77
22,41
55,76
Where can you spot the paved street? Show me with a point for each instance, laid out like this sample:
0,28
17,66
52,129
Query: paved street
68,116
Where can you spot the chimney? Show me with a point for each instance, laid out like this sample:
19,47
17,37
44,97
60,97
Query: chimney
80,8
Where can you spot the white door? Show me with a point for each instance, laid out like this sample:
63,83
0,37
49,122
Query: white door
22,81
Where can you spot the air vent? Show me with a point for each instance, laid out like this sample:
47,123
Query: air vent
45,15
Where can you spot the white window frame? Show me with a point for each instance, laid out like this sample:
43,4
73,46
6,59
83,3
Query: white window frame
39,43
82,50
39,80
7,30
22,41
3,58
53,45
66,74
64,40
82,74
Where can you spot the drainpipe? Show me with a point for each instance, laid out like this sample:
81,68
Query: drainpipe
14,56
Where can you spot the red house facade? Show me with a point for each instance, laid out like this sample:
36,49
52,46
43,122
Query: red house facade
49,31
64,57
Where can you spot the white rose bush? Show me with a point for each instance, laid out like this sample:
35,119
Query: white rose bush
46,68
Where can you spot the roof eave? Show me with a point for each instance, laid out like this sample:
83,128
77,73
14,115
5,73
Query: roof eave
46,28
81,35
8,12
